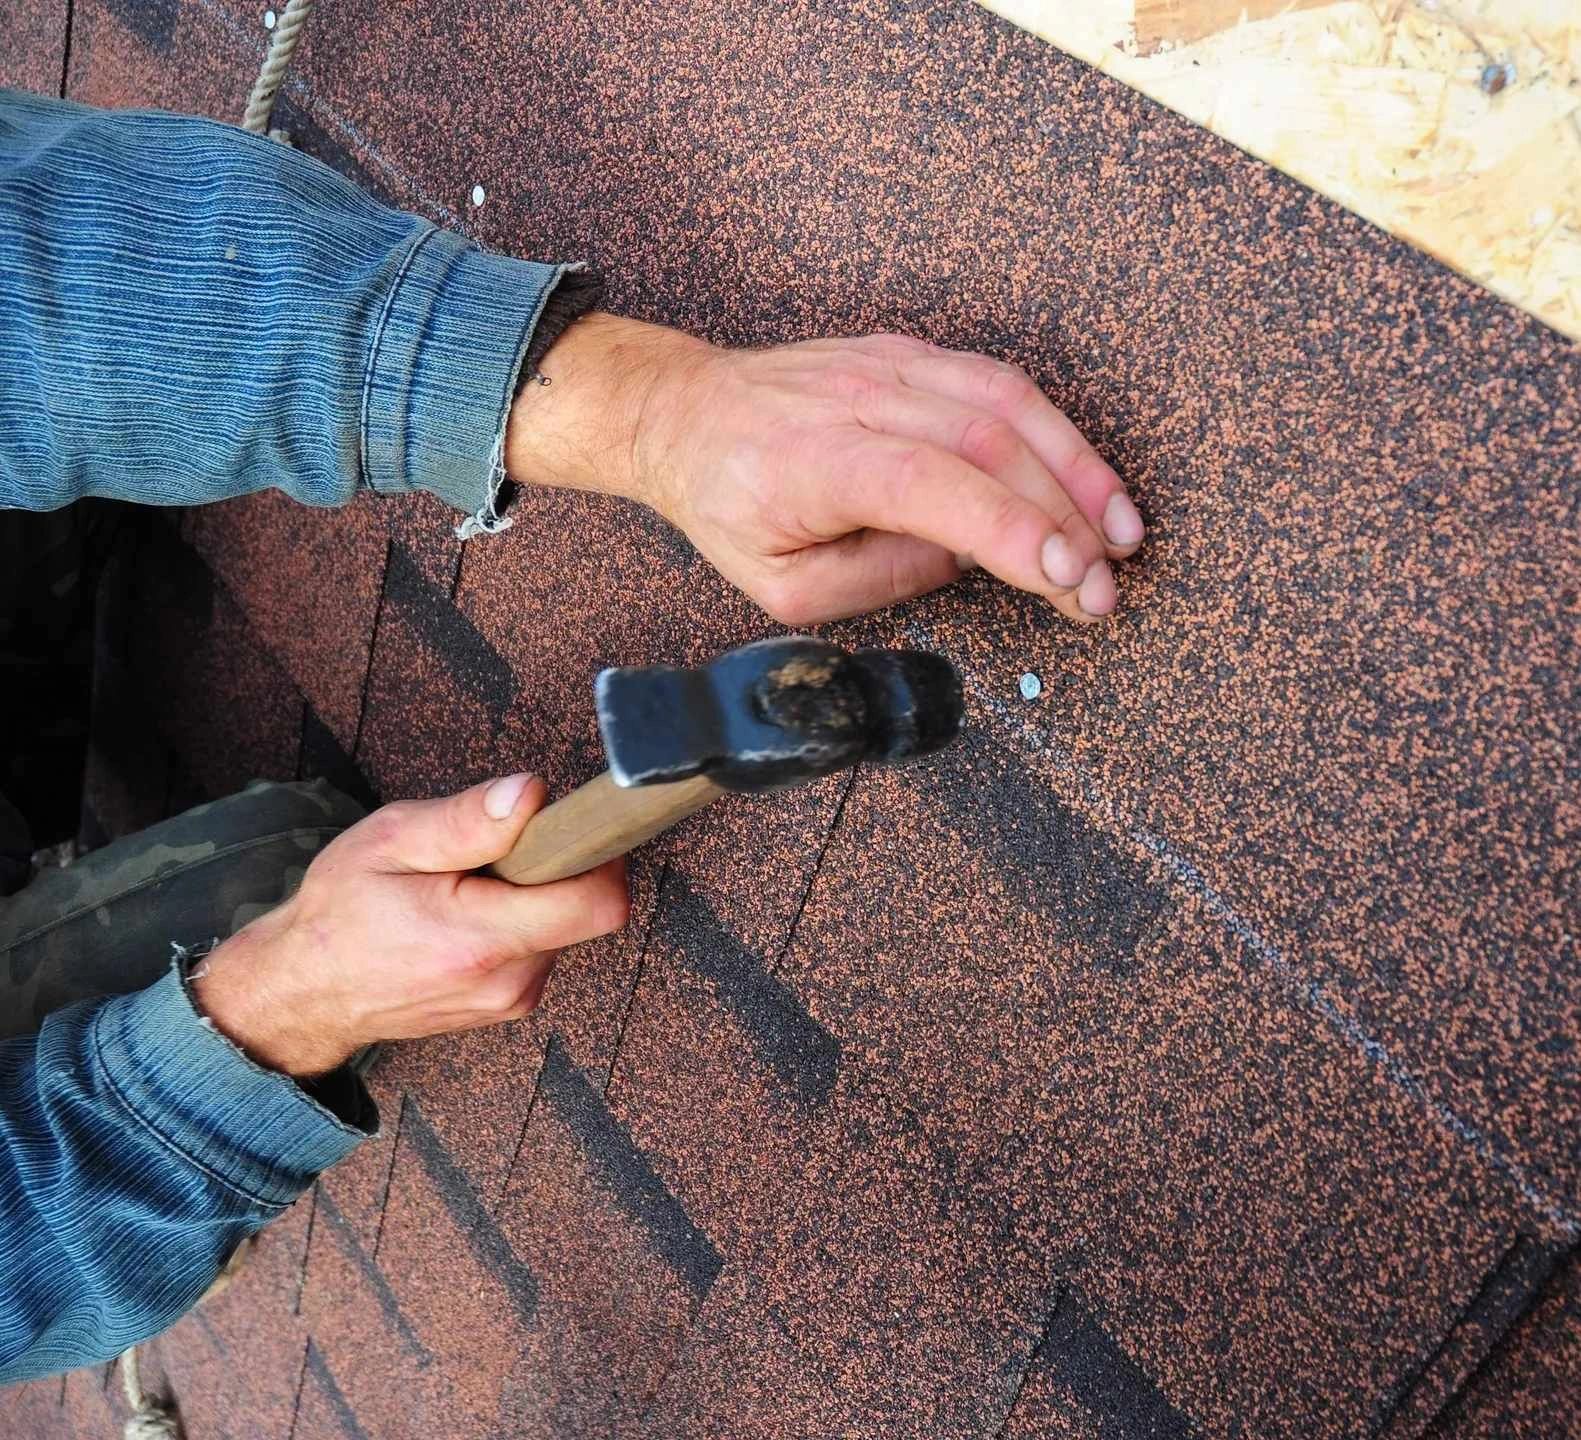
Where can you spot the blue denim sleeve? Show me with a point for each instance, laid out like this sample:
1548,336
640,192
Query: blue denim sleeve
192,313
138,1148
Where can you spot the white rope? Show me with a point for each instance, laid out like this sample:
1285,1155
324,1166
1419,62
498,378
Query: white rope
149,1420
271,75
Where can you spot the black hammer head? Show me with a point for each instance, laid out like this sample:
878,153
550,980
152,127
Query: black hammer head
776,712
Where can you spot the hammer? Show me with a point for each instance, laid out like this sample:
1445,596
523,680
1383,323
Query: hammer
759,718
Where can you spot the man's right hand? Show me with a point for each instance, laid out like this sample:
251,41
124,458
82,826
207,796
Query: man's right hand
392,936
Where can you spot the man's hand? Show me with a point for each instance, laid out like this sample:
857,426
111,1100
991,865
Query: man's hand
835,476
390,936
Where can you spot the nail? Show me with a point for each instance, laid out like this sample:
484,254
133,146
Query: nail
963,563
499,800
1122,524
1061,563
1096,595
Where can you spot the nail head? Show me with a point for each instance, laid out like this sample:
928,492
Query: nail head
1496,75
1031,686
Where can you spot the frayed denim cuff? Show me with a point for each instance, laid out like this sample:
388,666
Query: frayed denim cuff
253,1130
460,329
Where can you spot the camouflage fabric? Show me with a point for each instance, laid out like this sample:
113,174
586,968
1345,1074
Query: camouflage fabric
105,924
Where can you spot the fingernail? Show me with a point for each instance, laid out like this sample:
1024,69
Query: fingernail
1096,595
963,563
499,800
1122,524
1061,563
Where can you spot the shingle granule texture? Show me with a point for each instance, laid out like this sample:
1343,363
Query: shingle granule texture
34,54
1192,1051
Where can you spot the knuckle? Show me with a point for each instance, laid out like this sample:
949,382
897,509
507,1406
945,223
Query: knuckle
1086,459
368,845
893,487
1005,513
460,820
1008,388
990,443
386,823
855,385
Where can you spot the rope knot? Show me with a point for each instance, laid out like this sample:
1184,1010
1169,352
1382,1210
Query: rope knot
150,1420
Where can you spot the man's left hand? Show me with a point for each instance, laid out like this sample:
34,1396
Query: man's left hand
832,477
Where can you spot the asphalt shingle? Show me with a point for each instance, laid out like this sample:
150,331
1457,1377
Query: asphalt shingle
1188,1052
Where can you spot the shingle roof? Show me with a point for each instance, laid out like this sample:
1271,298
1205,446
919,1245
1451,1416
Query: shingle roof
1191,1051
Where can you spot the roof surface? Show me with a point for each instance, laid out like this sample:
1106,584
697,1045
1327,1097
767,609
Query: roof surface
1191,1051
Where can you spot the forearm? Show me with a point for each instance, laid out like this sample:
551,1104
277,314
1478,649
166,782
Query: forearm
138,1148
193,313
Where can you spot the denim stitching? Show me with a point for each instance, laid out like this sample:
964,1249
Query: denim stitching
166,1141
413,246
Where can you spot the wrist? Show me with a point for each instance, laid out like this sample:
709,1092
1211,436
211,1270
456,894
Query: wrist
240,989
613,385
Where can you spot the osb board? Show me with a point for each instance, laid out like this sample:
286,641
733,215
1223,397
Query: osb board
1382,106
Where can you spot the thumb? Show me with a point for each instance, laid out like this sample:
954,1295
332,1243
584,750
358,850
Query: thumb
865,570
460,832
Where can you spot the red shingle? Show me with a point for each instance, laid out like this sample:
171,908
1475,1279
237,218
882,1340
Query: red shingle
231,1374
739,1375
309,581
393,1378
92,1402
214,691
35,47
1530,1386
1194,1043
621,1270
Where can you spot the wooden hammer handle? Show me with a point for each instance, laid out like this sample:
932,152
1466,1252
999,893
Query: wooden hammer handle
597,823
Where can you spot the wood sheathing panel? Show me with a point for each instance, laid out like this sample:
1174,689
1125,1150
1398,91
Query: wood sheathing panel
1397,109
